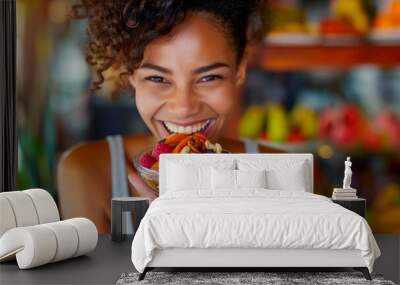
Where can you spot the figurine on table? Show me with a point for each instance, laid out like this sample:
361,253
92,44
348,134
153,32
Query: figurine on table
347,192
347,174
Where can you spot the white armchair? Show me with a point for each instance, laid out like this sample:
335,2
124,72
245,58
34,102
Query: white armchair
31,231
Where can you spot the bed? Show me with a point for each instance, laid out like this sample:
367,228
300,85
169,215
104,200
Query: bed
247,210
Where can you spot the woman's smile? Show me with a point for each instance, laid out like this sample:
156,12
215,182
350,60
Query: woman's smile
170,127
187,128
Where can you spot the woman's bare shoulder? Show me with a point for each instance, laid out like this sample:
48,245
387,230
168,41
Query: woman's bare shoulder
89,162
84,151
95,152
85,169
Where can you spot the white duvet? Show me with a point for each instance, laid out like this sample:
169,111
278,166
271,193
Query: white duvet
253,218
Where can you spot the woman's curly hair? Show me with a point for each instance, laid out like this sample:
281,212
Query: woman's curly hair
120,30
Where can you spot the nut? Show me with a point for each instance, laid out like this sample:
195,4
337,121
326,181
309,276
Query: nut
195,144
218,148
208,145
185,149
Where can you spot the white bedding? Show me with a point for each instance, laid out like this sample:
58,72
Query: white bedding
251,218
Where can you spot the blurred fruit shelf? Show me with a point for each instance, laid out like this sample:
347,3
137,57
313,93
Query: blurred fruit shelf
275,57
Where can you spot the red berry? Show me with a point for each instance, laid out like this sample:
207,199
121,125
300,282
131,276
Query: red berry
296,136
147,160
264,135
161,148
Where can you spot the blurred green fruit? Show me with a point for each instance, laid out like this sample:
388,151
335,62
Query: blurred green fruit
252,122
277,123
304,119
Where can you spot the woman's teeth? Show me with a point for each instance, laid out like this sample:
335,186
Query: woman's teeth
173,128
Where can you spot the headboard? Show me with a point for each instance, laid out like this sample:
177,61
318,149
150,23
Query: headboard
210,158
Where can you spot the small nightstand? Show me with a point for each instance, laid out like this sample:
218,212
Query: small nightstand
357,205
138,205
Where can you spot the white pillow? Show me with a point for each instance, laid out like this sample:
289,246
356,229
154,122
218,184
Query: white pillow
293,179
181,177
228,179
282,174
251,178
186,175
223,179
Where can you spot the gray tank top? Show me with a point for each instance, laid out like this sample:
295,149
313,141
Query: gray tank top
119,174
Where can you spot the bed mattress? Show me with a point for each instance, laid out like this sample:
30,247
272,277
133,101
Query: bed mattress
250,219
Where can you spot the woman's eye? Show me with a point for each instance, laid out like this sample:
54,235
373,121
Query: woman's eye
209,78
156,79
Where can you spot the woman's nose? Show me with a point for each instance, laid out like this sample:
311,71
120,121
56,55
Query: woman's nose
184,103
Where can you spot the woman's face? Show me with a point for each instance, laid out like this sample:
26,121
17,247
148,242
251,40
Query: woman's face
188,82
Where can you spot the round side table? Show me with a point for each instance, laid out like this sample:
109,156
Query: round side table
137,205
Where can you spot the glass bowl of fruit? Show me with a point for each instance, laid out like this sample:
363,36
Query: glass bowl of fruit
147,162
148,173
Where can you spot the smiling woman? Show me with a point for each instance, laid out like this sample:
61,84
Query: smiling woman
188,78
185,60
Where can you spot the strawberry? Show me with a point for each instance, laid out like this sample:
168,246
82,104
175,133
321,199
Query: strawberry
161,148
147,160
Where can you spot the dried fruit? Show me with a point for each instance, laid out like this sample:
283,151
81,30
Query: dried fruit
174,139
200,136
195,144
155,166
161,148
147,160
180,145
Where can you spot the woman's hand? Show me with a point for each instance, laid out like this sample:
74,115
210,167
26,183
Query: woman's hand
138,186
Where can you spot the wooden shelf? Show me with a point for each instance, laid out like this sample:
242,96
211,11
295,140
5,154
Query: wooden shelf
296,58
